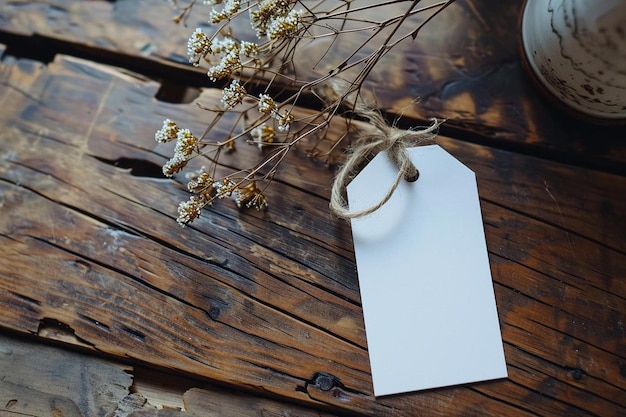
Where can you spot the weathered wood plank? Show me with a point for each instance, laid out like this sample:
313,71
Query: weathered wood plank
464,67
19,400
269,301
43,380
181,397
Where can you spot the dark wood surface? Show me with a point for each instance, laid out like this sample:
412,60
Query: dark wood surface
463,67
266,304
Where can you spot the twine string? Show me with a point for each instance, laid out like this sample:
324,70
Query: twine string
383,138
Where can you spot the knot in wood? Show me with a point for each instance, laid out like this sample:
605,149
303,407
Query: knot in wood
324,381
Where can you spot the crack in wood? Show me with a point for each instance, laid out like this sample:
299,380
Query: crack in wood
52,328
121,272
136,167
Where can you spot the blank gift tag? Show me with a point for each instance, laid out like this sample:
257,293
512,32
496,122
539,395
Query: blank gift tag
426,289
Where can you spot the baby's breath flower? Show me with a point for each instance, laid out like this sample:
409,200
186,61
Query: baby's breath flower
198,46
217,16
249,196
267,10
224,188
267,105
217,72
231,7
284,121
249,49
283,26
224,45
233,95
168,132
229,63
262,135
190,210
200,182
186,143
280,28
174,165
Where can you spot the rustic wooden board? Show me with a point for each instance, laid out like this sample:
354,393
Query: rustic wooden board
43,380
464,67
178,396
268,301
49,377
20,401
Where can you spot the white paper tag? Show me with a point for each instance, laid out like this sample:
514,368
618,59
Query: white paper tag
426,288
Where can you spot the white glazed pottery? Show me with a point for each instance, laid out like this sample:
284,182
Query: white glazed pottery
576,49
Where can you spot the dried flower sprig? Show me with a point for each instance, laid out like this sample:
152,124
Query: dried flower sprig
268,55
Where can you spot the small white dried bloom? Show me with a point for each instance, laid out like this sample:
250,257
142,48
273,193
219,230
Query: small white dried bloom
174,165
224,45
217,72
216,17
212,2
231,60
190,210
224,188
249,49
231,7
200,181
267,105
186,143
249,196
284,121
168,132
198,46
229,63
233,95
266,12
262,134
283,26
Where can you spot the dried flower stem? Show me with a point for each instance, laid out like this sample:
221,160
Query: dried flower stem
282,29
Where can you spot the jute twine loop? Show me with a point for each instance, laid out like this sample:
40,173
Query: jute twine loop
385,138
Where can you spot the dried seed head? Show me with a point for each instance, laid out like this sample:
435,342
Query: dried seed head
249,49
233,95
284,121
168,132
216,16
224,188
229,63
186,143
262,134
200,182
190,210
268,10
249,196
198,47
267,105
283,26
174,165
224,45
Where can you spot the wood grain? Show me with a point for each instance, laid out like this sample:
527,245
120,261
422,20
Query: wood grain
268,302
44,380
463,67
49,381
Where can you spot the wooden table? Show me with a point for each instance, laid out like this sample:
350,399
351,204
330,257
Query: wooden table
108,307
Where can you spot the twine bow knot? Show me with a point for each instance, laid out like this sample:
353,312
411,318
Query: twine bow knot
385,138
